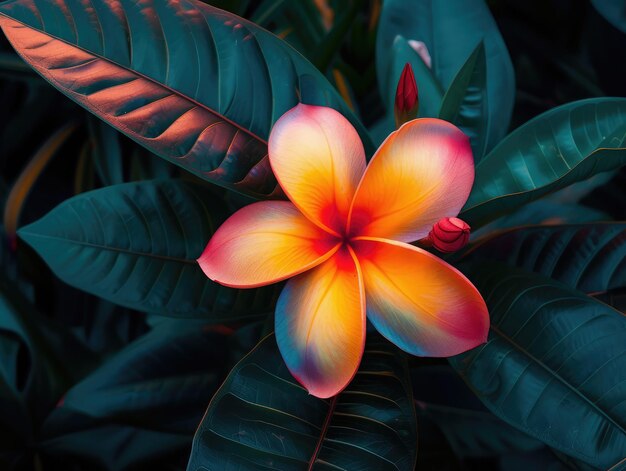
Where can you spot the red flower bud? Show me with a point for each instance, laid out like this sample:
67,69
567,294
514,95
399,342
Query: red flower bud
407,100
449,235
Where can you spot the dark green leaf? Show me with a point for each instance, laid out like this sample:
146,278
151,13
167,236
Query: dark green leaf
587,257
451,29
136,245
443,398
148,398
577,191
107,153
542,212
163,379
554,364
39,360
261,418
613,11
198,86
111,447
615,298
466,102
562,146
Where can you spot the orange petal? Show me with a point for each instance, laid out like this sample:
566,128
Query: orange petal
419,302
320,325
318,159
423,172
264,243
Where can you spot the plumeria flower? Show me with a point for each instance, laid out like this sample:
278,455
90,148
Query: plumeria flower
343,239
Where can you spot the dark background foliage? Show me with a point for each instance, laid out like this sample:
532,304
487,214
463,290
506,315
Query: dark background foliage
71,363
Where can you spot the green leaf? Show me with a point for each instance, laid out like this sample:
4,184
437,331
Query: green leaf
614,298
562,146
136,245
110,447
156,380
107,152
261,418
39,360
442,398
577,191
554,364
466,102
198,86
541,212
587,257
148,398
613,11
451,30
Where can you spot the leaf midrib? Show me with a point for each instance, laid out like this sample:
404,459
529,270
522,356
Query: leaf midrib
555,375
542,187
168,258
167,87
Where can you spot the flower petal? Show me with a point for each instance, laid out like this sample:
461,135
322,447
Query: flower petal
264,243
318,159
423,172
320,325
418,301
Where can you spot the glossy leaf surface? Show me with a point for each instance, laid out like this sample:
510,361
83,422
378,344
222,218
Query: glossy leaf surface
261,418
465,103
136,244
541,212
442,398
587,257
150,394
198,86
557,148
613,11
451,29
554,365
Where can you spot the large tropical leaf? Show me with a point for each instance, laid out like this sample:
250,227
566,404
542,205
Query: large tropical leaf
441,397
466,102
587,257
541,212
562,146
154,391
136,244
452,29
198,86
614,298
554,364
261,418
613,11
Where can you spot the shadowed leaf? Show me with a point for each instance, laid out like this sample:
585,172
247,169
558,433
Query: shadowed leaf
562,146
587,257
261,418
136,244
198,86
465,103
554,364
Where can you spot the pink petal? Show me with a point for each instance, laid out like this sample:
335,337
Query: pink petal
423,172
318,159
264,243
320,325
419,302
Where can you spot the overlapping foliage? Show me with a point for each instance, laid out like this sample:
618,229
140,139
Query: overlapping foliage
119,378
